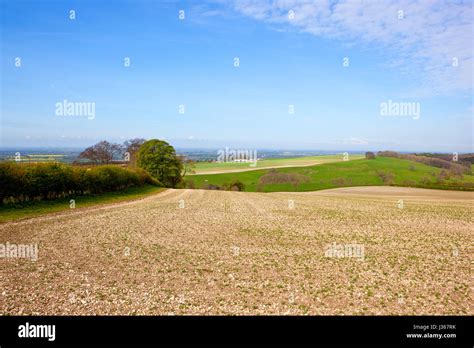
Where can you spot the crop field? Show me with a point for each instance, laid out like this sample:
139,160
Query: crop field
355,172
362,250
226,167
39,158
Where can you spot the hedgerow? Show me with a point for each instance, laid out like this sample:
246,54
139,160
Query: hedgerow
20,182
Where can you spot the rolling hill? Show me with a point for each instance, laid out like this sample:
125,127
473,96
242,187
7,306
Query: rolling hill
380,171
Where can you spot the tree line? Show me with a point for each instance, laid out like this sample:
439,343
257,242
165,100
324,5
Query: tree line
155,156
142,162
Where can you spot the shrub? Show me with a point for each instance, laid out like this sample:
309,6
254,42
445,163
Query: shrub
388,154
12,180
443,175
369,155
457,168
468,185
144,178
236,186
425,180
387,177
275,177
21,182
337,181
190,184
211,187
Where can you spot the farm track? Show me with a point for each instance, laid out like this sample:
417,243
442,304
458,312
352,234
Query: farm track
249,169
217,252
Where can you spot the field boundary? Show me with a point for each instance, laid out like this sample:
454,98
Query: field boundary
89,208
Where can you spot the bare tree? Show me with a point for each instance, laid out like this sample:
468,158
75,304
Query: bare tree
188,165
131,148
101,153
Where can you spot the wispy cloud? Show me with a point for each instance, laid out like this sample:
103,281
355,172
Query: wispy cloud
431,40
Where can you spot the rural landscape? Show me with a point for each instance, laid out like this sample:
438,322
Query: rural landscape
193,173
369,235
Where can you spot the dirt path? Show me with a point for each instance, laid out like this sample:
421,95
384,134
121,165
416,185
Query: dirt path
214,252
258,168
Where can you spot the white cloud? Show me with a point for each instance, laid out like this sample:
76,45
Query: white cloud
424,43
358,141
347,141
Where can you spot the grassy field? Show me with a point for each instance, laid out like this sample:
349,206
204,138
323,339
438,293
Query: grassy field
21,211
359,172
38,158
214,167
246,253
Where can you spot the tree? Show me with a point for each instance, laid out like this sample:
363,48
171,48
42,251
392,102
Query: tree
369,155
236,185
188,165
131,148
160,160
101,153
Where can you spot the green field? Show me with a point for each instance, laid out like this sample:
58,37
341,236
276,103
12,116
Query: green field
359,172
38,158
212,167
20,211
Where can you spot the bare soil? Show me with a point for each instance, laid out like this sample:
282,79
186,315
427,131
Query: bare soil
214,252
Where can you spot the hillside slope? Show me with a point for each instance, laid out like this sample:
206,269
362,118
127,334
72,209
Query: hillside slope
377,172
227,167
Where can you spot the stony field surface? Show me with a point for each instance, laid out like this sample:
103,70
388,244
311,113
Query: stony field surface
237,253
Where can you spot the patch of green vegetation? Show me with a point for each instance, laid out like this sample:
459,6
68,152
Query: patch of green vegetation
362,172
32,209
38,158
203,167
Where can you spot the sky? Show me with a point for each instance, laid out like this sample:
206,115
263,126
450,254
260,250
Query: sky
240,74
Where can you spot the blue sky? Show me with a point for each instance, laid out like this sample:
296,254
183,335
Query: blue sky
285,59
